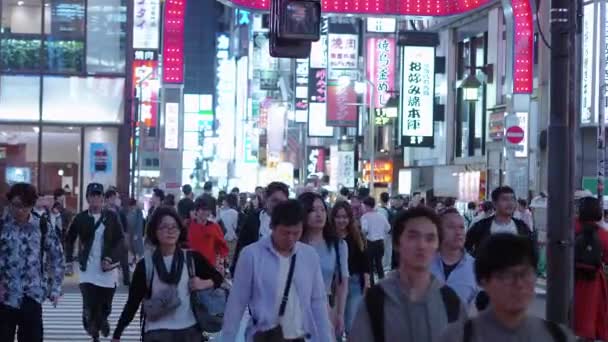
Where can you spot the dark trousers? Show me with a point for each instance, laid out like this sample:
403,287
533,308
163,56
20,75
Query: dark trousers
192,334
28,318
375,250
96,307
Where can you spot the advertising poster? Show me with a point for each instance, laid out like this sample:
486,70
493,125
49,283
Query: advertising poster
101,158
341,105
147,83
146,24
343,51
381,68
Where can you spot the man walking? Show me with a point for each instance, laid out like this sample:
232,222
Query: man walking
186,205
31,267
229,216
257,224
280,280
452,264
375,227
113,204
101,247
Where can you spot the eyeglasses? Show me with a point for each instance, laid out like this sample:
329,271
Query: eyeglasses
21,206
511,277
168,228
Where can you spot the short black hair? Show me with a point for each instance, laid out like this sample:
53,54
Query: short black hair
277,186
522,202
369,202
187,189
487,206
58,193
472,206
110,193
205,202
232,200
235,190
155,220
414,213
159,193
169,200
449,202
384,197
288,213
208,186
25,191
502,251
363,192
345,192
501,190
589,210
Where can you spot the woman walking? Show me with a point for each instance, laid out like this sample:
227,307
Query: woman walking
167,283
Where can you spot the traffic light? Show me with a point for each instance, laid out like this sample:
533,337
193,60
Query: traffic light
294,24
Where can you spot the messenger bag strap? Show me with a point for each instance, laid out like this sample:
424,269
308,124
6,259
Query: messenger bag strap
287,286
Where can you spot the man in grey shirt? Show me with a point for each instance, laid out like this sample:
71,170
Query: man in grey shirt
506,268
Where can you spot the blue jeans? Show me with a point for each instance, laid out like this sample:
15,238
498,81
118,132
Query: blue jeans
355,294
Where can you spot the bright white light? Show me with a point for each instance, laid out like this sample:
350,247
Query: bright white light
471,94
60,172
343,81
360,87
36,129
20,3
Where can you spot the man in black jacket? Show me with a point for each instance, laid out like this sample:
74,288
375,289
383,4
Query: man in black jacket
502,222
257,224
100,249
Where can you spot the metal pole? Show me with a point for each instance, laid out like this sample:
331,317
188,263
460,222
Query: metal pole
559,218
372,138
601,96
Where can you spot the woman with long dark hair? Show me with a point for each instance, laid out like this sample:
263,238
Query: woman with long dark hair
333,255
342,218
168,282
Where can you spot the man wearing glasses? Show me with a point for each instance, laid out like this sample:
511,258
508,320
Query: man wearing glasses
31,267
506,268
101,247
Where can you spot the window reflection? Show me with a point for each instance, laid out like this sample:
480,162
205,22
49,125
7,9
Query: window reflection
64,45
18,155
106,34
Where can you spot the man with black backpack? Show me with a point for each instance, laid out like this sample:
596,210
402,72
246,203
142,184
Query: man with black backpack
410,304
31,267
506,268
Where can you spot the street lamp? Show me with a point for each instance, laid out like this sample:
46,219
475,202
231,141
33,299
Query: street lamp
470,88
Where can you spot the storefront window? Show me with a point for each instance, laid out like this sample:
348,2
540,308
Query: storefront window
19,98
83,99
64,44
18,155
106,34
60,164
20,38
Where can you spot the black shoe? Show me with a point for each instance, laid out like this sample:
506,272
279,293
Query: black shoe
105,329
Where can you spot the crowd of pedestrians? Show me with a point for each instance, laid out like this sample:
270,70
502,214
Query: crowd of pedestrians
303,269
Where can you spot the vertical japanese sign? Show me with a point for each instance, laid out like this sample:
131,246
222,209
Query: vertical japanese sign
341,105
317,87
225,93
301,110
417,95
146,23
343,51
171,126
381,68
146,83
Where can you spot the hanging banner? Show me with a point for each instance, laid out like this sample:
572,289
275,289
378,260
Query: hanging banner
173,41
341,105
146,24
146,83
301,110
418,95
381,68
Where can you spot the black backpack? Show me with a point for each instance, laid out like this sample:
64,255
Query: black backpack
587,253
374,301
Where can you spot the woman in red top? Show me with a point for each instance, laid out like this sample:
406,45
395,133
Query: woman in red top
591,290
205,236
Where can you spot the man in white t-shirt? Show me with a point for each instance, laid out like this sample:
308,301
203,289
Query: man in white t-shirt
101,247
229,216
376,228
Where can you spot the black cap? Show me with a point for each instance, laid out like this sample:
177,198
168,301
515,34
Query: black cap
94,189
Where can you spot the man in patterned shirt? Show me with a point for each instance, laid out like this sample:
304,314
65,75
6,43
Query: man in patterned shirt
31,267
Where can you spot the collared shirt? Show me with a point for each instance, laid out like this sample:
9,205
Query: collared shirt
264,224
20,270
461,279
256,283
375,226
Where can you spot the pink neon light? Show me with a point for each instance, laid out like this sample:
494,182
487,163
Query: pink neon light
173,41
522,11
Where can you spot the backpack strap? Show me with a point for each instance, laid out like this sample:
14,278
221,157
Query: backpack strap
149,266
374,301
556,331
44,228
451,302
467,335
338,261
190,264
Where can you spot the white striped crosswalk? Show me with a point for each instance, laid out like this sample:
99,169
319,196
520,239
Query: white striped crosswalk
64,323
